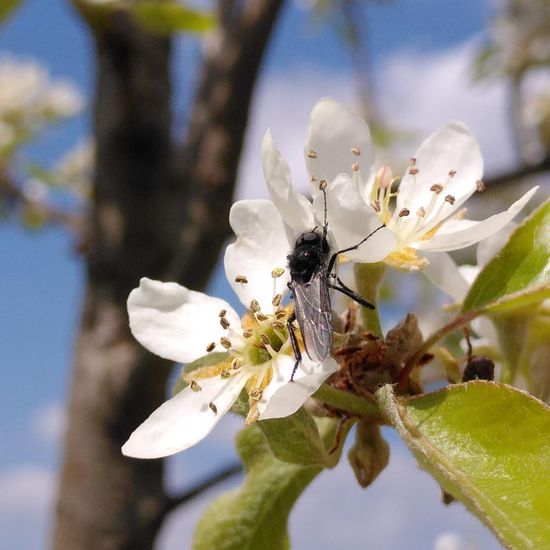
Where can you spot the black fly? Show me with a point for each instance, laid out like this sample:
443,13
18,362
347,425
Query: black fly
311,266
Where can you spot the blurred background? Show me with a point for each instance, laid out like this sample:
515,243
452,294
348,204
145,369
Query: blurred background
126,130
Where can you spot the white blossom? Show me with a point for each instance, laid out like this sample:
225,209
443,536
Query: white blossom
422,215
29,99
181,325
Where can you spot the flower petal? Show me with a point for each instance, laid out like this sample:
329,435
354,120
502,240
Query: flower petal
455,234
282,397
451,148
351,220
334,130
294,208
260,247
444,274
174,322
489,247
185,419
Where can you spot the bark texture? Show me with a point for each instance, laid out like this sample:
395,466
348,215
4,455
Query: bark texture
157,212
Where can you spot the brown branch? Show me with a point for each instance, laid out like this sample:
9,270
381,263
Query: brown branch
212,150
12,192
518,173
152,215
177,500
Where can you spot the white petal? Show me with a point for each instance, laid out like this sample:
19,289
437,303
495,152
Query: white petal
282,397
294,208
351,220
185,419
489,247
443,273
468,272
334,130
450,148
260,247
455,234
174,322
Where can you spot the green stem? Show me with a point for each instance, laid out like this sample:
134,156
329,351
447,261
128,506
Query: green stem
360,406
368,278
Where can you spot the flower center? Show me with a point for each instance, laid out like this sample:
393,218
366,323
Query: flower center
407,225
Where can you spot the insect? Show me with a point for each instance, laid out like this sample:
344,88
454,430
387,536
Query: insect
311,265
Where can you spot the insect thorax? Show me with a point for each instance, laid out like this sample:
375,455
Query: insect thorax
311,252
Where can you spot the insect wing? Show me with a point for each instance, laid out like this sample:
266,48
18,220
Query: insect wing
314,315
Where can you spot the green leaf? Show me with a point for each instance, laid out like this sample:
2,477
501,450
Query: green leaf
488,445
171,16
520,272
255,516
296,439
7,7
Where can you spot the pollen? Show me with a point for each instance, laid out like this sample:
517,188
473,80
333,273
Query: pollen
236,363
224,323
280,313
211,346
312,154
450,199
225,342
255,395
356,151
241,279
277,272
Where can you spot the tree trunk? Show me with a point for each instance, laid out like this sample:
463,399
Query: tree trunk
106,500
153,214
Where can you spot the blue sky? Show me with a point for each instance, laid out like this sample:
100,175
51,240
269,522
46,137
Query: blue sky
420,51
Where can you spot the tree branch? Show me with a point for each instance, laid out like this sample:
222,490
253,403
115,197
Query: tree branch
210,157
176,500
11,191
520,172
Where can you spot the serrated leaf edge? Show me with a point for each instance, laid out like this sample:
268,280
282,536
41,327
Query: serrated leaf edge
441,469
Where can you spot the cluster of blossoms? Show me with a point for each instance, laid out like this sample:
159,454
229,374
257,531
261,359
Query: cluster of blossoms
422,220
29,99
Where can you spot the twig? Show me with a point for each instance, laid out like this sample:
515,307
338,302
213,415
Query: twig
522,171
174,501
13,192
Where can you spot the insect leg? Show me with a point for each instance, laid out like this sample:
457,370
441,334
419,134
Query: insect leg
351,294
355,247
294,342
